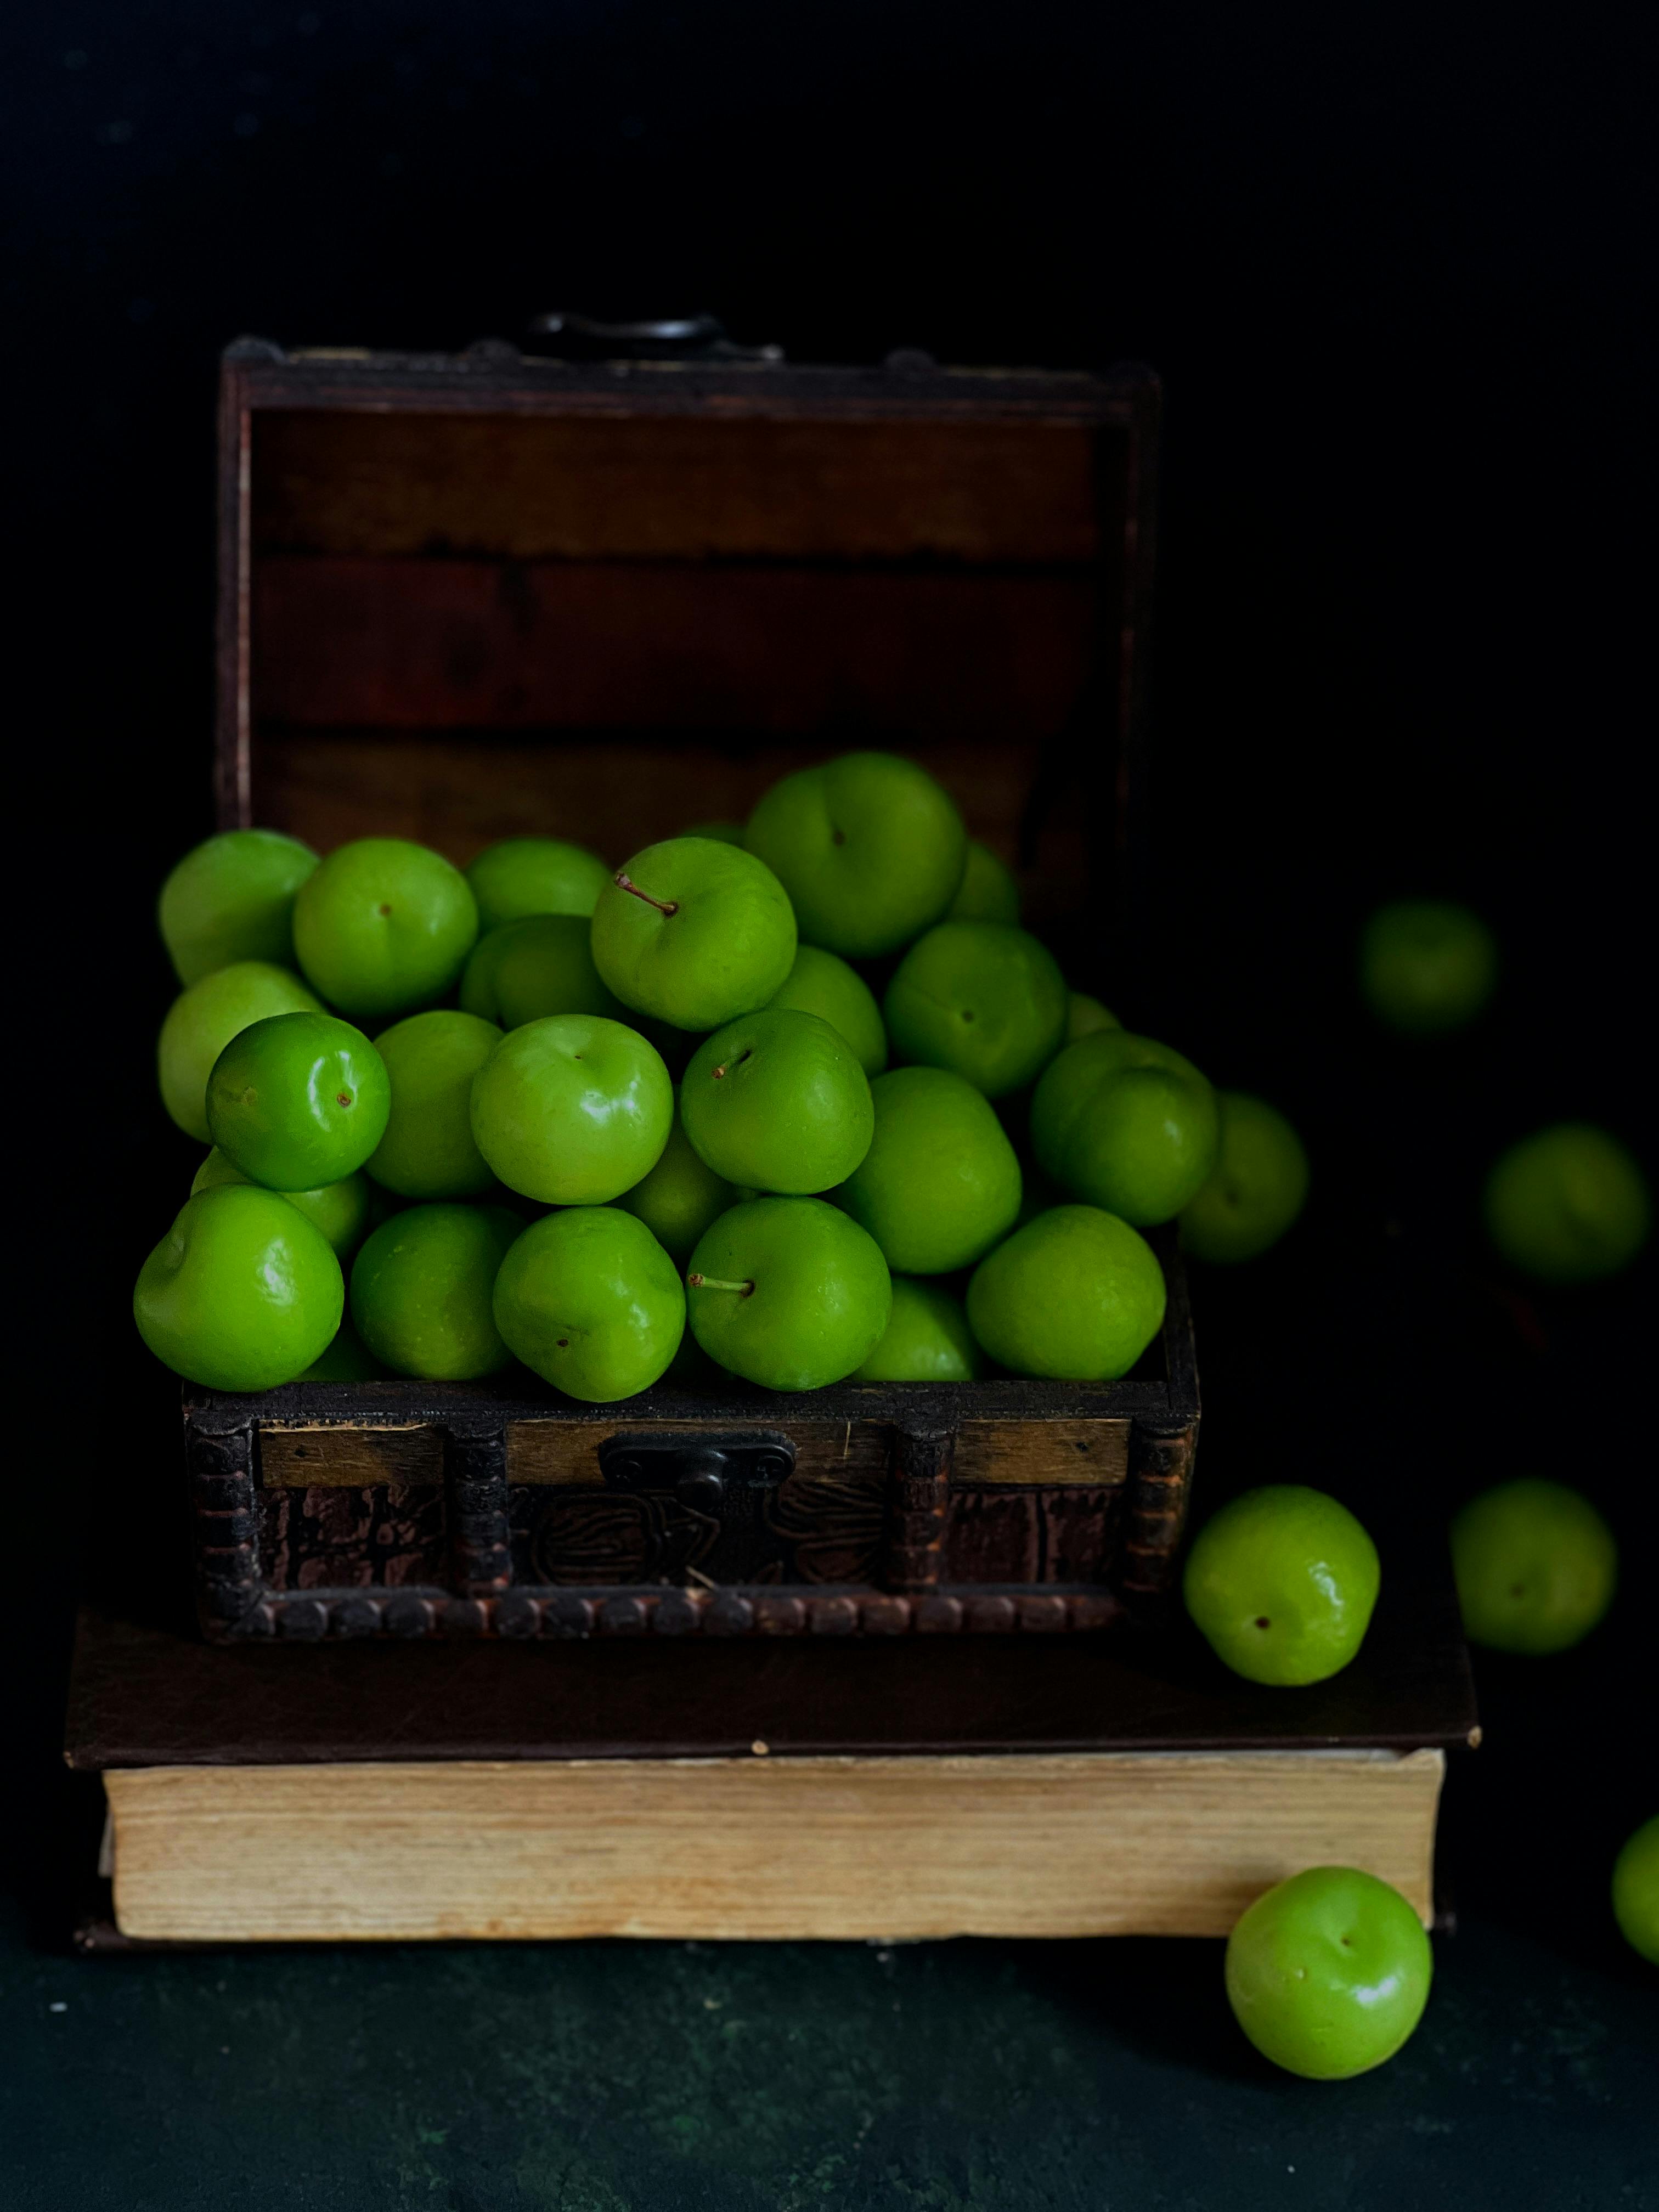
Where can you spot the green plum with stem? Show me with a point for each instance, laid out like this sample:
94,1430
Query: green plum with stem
1427,965
984,999
1327,1973
987,891
822,983
1258,1186
242,1293
695,933
589,1299
231,898
298,1100
383,926
680,1197
572,1110
1126,1123
1076,1295
1568,1205
787,1292
1281,1584
522,876
1085,1015
1635,1891
542,964
1537,1566
422,1291
427,1149
777,1100
926,1339
201,1021
340,1210
940,1183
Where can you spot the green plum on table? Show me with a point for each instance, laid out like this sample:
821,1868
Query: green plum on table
1085,1015
1568,1205
427,1149
787,1292
777,1100
201,1021
1127,1124
422,1291
926,1339
1329,1973
589,1299
232,898
535,875
1635,1891
987,891
1427,965
242,1293
870,849
680,1198
383,926
298,1100
340,1210
1281,1584
573,1109
940,1183
695,933
1535,1564
1257,1188
986,1000
822,983
1075,1296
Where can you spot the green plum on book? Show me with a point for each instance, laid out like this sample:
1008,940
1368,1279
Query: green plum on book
535,875
1281,1584
242,1293
983,1000
572,1110
693,932
298,1100
231,898
422,1291
1329,1973
340,1210
384,926
1127,1124
1075,1296
778,1101
201,1021
940,1183
1537,1566
787,1292
590,1301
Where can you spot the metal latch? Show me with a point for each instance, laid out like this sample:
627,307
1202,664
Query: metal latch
668,337
708,1473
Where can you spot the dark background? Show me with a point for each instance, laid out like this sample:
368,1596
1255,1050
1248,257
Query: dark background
1393,264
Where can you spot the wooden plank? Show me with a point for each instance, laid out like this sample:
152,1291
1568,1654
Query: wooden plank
295,1458
567,1451
1064,1454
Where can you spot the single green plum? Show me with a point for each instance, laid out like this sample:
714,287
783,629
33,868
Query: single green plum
987,892
347,1360
940,1183
589,1299
428,1150
822,983
231,898
339,1209
870,849
1327,1973
1085,1015
422,1291
1635,1891
1257,1188
680,1197
201,1021
723,832
694,932
1568,1205
788,1292
1126,1124
926,1339
242,1293
543,965
1281,1584
1535,1564
1076,1295
298,1100
1427,965
573,1109
981,998
778,1100
383,926
535,875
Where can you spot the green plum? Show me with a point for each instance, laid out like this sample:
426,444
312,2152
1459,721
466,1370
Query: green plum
723,832
232,898
680,1197
1327,1973
384,925
788,1293
339,1209
428,1150
940,1183
1257,1188
573,1110
535,875
1635,1891
981,998
1076,1295
347,1360
822,984
987,892
694,932
870,849
201,1021
926,1339
242,1293
1085,1015
1281,1584
545,966
1126,1124
1535,1565
422,1291
778,1101
1568,1205
589,1299
298,1100
1427,965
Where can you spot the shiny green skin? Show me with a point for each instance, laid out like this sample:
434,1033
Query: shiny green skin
340,1209
1281,1584
822,983
926,1339
1075,1296
1085,1015
728,944
298,1101
680,1198
779,1102
940,1183
384,925
869,847
1568,1205
1427,965
347,1360
1327,1973
422,1291
232,898
723,832
1635,1891
242,1293
573,1110
1257,1188
987,891
201,1021
986,1000
821,1301
590,1301
1126,1123
428,1150
1536,1567
535,875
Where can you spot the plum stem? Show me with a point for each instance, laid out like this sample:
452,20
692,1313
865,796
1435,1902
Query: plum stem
715,1283
625,883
